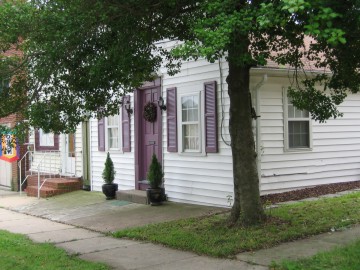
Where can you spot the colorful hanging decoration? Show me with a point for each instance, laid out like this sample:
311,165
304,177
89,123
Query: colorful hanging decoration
9,148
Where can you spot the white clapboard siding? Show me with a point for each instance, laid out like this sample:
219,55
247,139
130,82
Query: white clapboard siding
334,157
202,178
208,178
78,152
124,163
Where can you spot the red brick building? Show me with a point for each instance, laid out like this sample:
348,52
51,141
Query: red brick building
9,171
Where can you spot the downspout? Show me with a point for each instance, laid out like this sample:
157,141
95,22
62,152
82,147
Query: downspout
258,124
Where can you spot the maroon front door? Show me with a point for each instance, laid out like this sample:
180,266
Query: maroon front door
148,134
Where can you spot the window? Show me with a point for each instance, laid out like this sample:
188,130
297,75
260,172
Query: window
298,127
113,132
46,139
190,124
192,120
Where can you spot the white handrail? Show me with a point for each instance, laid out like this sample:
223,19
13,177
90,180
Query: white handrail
21,182
49,163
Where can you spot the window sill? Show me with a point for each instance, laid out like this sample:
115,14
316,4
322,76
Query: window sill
115,150
298,150
193,154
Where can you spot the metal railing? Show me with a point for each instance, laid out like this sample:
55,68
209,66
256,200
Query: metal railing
47,163
26,160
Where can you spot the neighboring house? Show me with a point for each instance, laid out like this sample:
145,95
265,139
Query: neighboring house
57,154
9,170
49,154
191,137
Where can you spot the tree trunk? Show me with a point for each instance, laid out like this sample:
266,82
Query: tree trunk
247,205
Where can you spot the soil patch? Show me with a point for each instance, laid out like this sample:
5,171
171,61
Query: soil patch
316,191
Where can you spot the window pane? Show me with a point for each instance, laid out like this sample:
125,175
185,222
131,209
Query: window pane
294,112
191,137
195,101
301,113
299,136
113,137
193,115
190,122
291,111
113,120
46,139
184,116
186,102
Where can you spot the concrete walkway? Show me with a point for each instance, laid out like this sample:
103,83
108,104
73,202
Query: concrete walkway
57,220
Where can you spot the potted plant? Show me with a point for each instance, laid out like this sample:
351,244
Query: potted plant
156,193
109,188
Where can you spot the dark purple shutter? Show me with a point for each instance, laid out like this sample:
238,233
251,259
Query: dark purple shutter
101,134
125,120
211,138
171,119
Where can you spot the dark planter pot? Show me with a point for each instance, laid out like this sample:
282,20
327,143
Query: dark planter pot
110,190
86,187
155,196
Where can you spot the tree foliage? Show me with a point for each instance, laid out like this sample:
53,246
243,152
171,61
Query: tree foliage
80,56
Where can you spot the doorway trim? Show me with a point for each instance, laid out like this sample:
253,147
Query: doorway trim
138,127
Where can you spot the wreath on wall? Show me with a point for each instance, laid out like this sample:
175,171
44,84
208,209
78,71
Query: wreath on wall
150,111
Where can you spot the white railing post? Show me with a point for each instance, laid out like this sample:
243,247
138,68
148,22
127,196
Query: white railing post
20,179
38,184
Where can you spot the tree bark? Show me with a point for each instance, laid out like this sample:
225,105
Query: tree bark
247,205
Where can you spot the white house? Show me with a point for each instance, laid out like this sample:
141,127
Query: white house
56,154
191,137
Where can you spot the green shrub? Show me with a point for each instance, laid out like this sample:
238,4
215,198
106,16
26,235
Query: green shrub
155,174
109,172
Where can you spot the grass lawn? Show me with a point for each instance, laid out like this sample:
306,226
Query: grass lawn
17,252
211,235
345,258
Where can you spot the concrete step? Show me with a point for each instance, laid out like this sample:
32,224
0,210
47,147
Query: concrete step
135,196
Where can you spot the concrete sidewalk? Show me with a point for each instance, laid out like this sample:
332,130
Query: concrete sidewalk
58,220
90,210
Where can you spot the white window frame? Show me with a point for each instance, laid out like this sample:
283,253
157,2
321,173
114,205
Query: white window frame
287,148
46,139
201,124
119,126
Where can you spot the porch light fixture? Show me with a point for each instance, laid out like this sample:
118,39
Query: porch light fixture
161,104
128,108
